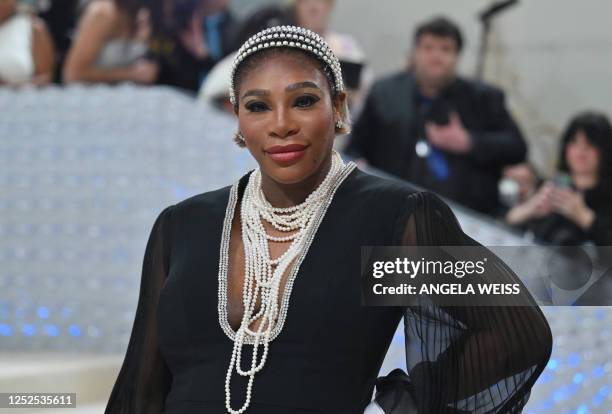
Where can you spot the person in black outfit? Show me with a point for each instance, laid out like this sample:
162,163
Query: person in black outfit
60,17
289,234
194,37
435,129
576,206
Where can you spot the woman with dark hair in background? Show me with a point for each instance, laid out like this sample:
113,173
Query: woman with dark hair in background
576,206
111,44
250,298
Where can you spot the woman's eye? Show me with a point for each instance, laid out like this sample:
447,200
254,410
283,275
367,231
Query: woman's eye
256,106
306,101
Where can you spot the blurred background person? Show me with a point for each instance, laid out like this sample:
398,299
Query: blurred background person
60,17
436,129
27,53
311,14
576,206
110,45
315,15
198,34
215,88
519,182
219,26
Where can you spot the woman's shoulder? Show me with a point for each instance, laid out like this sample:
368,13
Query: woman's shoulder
393,202
388,195
399,201
104,9
384,187
16,25
103,13
202,202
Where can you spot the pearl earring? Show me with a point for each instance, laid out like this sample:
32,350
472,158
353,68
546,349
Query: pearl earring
339,124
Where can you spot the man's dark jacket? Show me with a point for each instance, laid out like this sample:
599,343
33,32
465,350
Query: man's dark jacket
390,125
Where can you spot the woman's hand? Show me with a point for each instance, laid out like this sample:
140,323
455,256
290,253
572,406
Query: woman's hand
570,204
538,205
144,71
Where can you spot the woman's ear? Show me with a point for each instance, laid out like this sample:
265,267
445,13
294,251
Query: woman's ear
339,102
341,112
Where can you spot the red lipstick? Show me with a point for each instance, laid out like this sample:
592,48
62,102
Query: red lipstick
286,153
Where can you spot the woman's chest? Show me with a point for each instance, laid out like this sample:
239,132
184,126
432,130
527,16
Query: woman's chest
321,290
321,294
319,282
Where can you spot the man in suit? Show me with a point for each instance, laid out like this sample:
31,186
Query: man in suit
438,130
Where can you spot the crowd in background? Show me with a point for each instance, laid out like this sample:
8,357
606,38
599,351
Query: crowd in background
425,123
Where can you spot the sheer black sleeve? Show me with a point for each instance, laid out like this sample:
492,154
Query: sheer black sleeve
469,359
144,379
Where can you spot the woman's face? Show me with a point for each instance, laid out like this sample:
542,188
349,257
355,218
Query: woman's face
582,156
313,14
286,101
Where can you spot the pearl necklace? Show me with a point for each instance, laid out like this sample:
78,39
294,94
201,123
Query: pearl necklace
264,274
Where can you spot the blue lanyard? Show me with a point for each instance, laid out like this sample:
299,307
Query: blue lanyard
436,161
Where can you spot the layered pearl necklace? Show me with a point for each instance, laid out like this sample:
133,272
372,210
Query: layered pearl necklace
263,274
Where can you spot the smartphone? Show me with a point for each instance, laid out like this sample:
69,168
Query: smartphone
562,180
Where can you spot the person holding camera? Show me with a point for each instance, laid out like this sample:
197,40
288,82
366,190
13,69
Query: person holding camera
436,129
575,206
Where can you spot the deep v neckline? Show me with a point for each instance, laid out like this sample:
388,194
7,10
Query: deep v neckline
235,194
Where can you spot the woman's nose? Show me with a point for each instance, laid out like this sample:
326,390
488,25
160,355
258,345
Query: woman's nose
283,125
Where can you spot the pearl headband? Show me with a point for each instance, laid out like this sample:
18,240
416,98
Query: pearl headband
288,37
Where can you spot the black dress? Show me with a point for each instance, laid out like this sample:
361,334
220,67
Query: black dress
327,357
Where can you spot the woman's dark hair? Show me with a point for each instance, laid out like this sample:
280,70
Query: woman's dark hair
598,131
441,27
154,7
182,13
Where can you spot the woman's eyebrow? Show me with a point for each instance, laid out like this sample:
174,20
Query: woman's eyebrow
292,87
256,92
300,85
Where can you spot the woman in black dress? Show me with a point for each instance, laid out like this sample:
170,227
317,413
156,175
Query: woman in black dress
264,275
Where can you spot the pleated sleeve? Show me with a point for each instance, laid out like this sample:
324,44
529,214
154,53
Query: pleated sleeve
144,379
469,359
